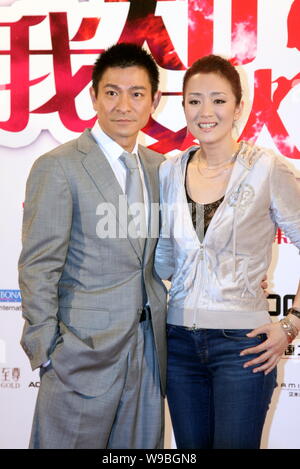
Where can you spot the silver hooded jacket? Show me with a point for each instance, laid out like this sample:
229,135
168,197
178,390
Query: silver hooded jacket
216,283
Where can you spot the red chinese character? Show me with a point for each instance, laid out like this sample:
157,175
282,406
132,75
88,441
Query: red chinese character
265,112
244,31
142,25
67,85
280,238
20,83
200,29
243,34
293,25
167,139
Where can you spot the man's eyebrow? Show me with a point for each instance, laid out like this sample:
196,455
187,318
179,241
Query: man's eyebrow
116,87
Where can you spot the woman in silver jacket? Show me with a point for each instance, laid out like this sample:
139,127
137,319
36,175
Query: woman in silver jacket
221,202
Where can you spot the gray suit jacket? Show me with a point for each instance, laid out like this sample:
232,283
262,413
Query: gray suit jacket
82,296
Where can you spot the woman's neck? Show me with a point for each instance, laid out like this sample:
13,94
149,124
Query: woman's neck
216,154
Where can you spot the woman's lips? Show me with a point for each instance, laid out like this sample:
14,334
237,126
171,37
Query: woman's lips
207,125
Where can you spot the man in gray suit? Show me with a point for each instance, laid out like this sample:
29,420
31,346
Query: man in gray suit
94,308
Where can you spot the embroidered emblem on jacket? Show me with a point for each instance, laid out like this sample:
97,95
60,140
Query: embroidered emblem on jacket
241,197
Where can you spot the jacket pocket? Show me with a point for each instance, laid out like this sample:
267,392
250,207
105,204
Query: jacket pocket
85,323
239,335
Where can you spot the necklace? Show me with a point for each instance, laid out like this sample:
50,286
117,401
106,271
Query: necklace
223,167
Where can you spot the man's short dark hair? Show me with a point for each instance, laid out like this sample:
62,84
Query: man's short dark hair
126,55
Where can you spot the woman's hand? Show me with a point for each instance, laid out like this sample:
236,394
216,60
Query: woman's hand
272,348
264,285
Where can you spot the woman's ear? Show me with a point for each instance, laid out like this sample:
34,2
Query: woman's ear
238,111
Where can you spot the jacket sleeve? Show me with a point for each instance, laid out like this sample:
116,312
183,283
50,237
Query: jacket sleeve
47,222
164,262
285,200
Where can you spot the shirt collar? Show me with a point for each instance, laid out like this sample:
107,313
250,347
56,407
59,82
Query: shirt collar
110,147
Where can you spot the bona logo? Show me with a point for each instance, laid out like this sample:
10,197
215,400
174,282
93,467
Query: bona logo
10,296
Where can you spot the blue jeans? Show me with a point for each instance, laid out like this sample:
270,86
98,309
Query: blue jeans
214,402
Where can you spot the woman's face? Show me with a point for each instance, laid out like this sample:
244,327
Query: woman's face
210,108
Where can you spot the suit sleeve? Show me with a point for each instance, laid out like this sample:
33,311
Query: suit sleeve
285,201
46,231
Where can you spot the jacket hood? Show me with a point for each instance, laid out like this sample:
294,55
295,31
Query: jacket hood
248,154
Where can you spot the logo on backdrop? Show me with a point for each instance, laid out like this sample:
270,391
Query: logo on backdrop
8,297
291,388
34,384
280,238
279,305
293,350
50,69
10,378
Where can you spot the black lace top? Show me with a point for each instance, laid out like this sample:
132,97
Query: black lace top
201,214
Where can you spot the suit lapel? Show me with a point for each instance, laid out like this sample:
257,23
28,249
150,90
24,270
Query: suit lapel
100,171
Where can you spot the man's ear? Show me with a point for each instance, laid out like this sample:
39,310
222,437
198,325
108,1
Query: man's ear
93,96
156,100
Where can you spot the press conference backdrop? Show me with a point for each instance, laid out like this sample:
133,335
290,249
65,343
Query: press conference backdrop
47,50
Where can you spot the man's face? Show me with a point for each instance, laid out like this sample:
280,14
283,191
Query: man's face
124,103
